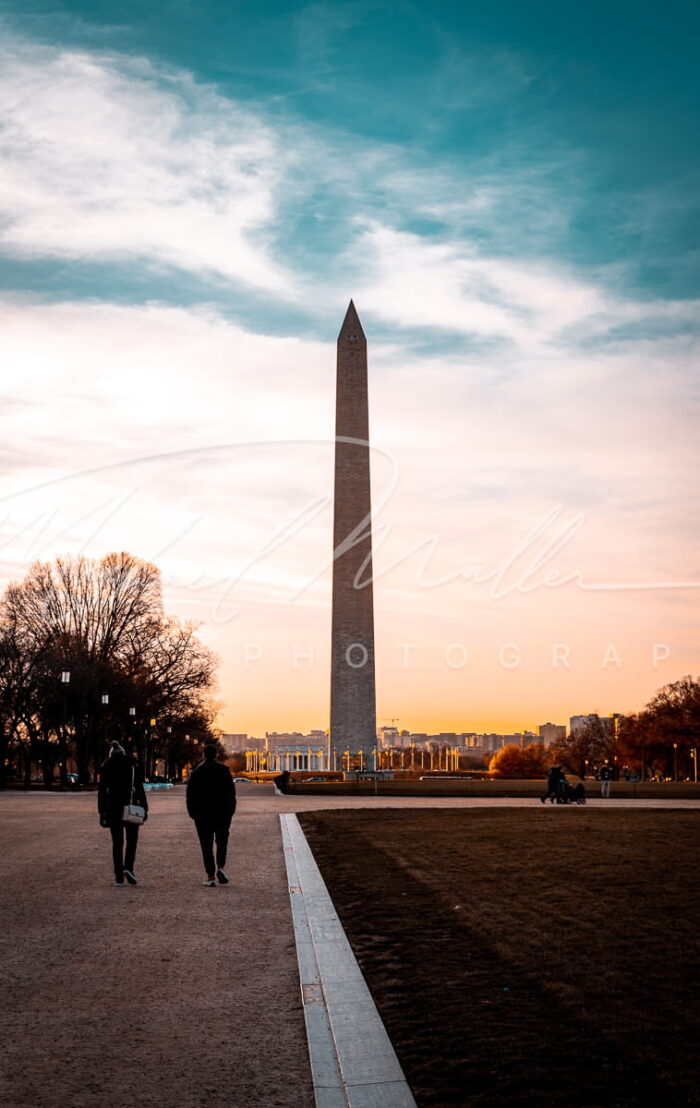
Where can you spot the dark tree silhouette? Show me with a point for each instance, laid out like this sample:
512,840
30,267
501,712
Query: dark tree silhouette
591,743
103,622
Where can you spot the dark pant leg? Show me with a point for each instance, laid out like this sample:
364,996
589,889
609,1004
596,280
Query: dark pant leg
117,829
205,832
221,832
132,838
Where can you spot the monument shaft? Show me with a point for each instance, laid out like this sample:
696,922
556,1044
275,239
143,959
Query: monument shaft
353,706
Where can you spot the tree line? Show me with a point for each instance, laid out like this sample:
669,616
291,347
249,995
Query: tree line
88,655
661,741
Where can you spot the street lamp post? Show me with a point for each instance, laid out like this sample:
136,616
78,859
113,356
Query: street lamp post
132,732
675,764
104,702
63,750
149,749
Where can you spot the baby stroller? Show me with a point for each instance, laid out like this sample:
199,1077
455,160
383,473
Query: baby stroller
570,794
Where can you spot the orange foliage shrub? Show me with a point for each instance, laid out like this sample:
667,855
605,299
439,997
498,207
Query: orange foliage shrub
512,762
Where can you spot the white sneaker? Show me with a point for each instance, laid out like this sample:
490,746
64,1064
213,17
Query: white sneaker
210,883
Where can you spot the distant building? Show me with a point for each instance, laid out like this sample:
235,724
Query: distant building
551,732
471,739
611,723
388,738
577,723
234,743
290,750
489,743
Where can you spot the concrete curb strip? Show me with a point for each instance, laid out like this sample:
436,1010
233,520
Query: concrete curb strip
353,1064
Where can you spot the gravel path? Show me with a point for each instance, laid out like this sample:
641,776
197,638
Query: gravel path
167,994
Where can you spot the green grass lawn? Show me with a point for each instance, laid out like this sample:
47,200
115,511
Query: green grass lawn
534,957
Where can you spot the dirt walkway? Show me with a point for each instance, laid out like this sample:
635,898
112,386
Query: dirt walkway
167,995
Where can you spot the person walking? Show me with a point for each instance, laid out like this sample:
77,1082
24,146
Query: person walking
605,776
211,802
553,778
121,783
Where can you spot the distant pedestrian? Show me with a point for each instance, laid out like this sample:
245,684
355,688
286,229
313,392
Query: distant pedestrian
562,789
605,776
121,784
554,776
211,802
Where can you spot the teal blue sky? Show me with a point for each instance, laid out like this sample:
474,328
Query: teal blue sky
590,112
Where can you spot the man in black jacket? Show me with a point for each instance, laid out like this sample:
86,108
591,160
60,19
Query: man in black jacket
606,774
211,802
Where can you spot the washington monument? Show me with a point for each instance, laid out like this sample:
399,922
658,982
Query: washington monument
353,708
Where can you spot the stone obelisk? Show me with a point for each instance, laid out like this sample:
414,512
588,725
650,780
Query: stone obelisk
353,707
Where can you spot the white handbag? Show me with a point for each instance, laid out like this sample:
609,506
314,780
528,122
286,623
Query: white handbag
133,813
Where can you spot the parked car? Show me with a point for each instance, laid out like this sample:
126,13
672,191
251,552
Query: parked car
72,781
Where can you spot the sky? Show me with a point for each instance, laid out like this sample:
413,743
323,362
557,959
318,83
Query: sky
190,193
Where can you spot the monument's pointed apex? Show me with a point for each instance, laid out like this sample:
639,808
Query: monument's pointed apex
351,328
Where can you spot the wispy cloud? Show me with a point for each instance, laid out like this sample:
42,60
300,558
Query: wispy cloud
416,281
108,157
170,429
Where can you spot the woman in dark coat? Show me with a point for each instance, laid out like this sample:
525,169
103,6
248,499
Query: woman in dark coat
120,774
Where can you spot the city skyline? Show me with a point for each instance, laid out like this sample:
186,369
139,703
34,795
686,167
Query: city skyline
546,732
188,203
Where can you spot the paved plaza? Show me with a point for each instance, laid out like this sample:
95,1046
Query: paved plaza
167,994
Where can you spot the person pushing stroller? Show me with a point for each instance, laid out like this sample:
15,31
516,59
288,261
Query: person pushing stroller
555,775
559,789
570,794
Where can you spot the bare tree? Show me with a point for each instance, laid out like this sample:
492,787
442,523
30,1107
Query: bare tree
103,622
589,744
671,721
